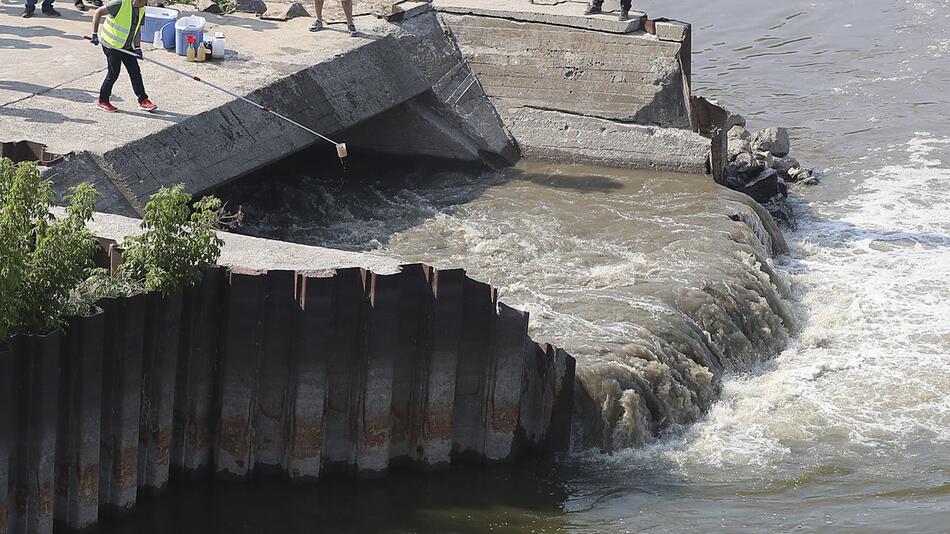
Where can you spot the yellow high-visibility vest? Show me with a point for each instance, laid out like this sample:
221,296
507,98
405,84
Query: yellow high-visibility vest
115,31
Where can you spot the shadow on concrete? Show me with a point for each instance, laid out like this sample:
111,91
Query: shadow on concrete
20,44
158,114
34,30
27,88
256,25
42,116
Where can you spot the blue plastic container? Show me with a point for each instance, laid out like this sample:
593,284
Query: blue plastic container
186,26
155,18
168,35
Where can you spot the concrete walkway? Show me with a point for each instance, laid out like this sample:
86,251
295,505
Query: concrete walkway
568,13
50,76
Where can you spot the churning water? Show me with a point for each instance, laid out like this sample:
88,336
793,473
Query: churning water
662,287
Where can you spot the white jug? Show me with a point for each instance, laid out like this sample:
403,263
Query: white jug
217,46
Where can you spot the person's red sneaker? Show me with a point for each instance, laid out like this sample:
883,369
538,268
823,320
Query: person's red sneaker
105,106
147,105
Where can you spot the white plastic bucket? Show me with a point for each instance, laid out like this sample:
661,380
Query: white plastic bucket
186,26
155,18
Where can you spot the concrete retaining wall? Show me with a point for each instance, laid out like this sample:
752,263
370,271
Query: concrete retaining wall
255,373
570,93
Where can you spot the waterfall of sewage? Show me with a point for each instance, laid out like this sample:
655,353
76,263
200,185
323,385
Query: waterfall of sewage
657,283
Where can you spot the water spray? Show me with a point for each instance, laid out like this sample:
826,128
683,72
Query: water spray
340,147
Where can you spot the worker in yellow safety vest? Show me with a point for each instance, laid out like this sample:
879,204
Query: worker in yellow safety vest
121,30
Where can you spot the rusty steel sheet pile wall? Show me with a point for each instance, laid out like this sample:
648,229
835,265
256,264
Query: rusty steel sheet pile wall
270,373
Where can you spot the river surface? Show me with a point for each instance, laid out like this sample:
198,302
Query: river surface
846,429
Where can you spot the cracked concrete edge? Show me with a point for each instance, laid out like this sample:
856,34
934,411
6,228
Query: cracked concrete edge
596,23
256,253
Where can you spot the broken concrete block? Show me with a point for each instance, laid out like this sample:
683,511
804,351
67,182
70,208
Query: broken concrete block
208,6
671,30
406,10
251,6
774,140
284,11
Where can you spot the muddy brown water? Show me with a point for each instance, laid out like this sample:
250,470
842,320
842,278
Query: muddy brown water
652,281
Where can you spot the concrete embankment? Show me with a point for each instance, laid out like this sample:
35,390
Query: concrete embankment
203,138
293,373
483,81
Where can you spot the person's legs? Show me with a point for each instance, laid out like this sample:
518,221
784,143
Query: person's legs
625,9
135,74
348,10
318,11
48,8
29,8
115,67
596,6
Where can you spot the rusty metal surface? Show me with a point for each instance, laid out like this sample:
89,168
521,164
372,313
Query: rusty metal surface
311,349
383,346
344,368
78,429
20,151
272,417
194,391
562,410
159,370
8,434
504,394
448,288
471,381
292,373
121,401
238,374
411,362
38,365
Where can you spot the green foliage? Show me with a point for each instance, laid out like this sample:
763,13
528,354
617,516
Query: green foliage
42,259
178,241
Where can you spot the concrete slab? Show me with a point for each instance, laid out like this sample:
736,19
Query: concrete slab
202,137
51,76
569,14
259,254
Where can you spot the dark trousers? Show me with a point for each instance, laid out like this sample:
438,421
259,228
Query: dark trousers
31,4
624,4
116,59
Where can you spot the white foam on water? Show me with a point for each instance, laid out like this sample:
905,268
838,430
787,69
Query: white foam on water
870,372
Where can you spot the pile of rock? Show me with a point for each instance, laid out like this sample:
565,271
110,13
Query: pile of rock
759,163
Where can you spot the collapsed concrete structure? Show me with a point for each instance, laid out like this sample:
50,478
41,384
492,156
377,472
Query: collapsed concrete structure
581,89
485,81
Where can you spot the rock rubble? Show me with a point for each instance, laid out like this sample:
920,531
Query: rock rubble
760,166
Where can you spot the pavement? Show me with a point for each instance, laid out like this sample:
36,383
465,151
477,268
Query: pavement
569,13
50,76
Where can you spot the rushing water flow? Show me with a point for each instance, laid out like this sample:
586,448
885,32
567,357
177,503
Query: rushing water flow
848,428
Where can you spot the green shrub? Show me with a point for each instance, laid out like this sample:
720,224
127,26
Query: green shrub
177,244
42,259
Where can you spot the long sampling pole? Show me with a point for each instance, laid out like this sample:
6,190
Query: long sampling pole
340,147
